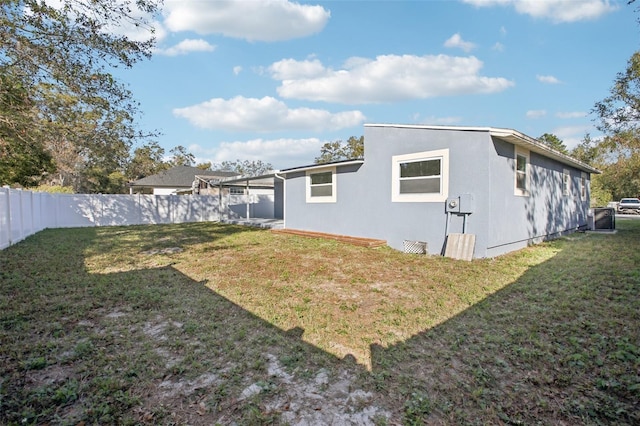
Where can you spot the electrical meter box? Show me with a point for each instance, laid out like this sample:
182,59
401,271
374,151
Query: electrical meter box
462,204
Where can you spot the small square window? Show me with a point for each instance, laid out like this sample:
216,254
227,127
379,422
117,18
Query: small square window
420,177
321,186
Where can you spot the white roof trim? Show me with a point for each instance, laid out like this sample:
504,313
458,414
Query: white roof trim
321,166
511,136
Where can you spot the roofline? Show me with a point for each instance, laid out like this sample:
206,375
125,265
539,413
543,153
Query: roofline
232,180
322,166
513,136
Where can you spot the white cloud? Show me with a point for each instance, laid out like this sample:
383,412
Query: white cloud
575,114
547,79
557,11
264,115
280,153
456,41
290,69
539,113
572,135
498,47
386,78
237,70
273,20
187,46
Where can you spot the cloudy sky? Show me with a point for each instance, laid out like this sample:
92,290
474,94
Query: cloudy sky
273,80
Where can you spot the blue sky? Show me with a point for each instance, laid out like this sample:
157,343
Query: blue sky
273,80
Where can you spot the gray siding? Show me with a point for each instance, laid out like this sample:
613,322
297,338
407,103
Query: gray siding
478,165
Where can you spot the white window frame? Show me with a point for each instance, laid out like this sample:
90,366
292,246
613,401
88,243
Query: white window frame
523,192
324,199
396,160
566,182
583,185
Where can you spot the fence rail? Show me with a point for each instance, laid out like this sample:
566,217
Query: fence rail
23,213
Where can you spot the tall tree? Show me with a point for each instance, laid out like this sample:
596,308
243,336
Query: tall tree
619,120
339,150
620,111
181,157
246,167
59,54
147,160
553,142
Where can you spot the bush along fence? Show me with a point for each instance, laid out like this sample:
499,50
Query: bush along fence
23,213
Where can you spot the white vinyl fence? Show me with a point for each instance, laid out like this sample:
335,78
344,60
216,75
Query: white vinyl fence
23,213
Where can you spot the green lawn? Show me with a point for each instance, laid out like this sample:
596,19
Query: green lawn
218,324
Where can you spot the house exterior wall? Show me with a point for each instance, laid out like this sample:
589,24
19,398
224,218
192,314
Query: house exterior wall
479,165
545,213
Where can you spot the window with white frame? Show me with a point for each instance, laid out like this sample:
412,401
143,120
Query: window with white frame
420,177
566,182
522,172
321,186
583,185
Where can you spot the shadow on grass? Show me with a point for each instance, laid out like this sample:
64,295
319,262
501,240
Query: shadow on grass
559,345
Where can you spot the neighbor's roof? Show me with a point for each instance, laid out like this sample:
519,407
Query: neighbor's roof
511,136
179,177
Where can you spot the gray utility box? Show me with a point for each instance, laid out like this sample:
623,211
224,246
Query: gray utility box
604,218
462,204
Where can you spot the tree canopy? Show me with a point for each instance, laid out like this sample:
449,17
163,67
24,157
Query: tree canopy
245,167
339,150
57,90
553,142
618,118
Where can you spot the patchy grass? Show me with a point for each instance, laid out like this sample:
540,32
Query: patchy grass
218,324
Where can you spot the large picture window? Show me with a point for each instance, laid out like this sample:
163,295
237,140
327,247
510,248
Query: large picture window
421,177
522,173
321,186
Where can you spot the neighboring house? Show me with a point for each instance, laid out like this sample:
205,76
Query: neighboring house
180,179
423,183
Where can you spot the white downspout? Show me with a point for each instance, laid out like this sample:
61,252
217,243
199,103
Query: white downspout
284,199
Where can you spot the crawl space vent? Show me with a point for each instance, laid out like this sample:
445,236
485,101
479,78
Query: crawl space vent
415,247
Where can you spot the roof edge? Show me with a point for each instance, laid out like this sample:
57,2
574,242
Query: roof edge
322,166
512,136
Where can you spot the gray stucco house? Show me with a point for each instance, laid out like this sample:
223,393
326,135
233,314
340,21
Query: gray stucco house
422,183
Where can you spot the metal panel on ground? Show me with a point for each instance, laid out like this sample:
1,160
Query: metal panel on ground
460,246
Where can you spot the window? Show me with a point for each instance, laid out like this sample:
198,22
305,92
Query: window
522,173
583,185
420,177
566,182
321,186
234,190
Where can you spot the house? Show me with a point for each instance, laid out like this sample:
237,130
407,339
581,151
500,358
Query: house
427,184
180,179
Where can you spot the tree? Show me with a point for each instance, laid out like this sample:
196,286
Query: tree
593,153
246,167
619,116
181,157
620,111
553,142
57,55
204,166
339,150
23,159
147,160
